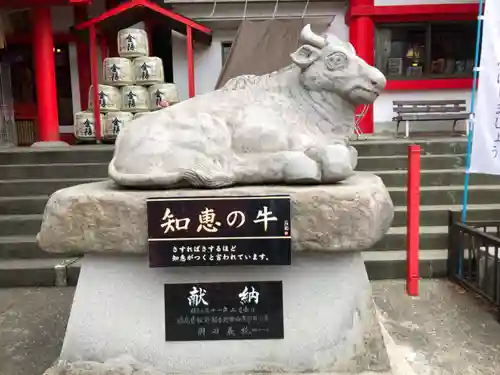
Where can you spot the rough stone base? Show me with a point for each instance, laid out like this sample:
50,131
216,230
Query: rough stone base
102,218
329,319
128,366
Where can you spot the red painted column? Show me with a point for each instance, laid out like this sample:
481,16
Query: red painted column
362,37
94,61
45,74
413,220
83,57
190,60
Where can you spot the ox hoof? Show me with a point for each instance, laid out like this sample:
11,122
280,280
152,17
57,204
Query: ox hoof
354,157
300,169
336,161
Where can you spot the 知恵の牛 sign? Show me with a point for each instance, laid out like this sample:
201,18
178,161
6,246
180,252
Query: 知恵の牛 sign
204,231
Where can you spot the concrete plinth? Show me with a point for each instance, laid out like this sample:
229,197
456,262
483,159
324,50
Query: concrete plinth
329,320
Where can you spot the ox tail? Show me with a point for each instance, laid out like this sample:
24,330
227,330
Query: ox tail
197,177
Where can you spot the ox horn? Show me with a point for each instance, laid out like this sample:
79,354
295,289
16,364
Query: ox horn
309,37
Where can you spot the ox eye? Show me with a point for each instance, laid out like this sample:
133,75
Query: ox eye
336,61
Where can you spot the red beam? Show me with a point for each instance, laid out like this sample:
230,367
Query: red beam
45,75
190,61
134,3
95,81
429,84
434,10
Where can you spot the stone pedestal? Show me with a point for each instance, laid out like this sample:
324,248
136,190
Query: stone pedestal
119,308
329,320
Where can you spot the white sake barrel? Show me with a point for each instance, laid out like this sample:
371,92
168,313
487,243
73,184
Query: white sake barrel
162,95
117,71
148,71
140,114
84,127
114,122
135,99
133,43
109,98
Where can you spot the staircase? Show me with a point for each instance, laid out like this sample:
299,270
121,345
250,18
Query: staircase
442,181
29,176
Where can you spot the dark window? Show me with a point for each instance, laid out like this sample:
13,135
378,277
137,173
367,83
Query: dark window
20,59
426,50
226,47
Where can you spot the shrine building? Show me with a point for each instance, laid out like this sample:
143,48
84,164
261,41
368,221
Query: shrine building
426,49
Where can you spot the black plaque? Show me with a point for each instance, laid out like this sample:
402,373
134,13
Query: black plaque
250,310
208,231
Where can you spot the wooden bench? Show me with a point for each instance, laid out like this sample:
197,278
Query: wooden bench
429,110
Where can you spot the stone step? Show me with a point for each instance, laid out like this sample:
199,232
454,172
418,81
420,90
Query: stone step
18,225
22,247
438,215
400,162
438,177
23,205
377,146
379,265
384,265
430,238
36,272
70,155
448,195
53,171
10,188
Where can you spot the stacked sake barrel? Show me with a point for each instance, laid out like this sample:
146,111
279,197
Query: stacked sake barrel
133,85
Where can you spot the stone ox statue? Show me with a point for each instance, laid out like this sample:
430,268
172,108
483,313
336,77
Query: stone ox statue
291,126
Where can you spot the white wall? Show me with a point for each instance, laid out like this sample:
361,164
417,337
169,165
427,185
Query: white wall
207,62
383,112
208,59
419,2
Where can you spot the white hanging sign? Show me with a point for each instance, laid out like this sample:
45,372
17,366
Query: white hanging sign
485,154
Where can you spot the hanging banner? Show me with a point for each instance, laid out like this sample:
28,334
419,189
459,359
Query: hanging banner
485,154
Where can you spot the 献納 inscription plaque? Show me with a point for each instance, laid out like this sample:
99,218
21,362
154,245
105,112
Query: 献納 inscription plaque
205,231
224,311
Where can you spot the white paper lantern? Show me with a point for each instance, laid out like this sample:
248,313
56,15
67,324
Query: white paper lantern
84,127
148,71
133,43
162,95
135,99
109,98
118,71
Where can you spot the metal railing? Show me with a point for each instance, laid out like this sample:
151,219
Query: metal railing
474,257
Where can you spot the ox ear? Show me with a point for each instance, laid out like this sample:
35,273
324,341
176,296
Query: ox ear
305,56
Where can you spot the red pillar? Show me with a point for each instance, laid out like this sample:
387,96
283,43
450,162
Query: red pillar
45,75
190,60
83,57
362,37
95,81
413,220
